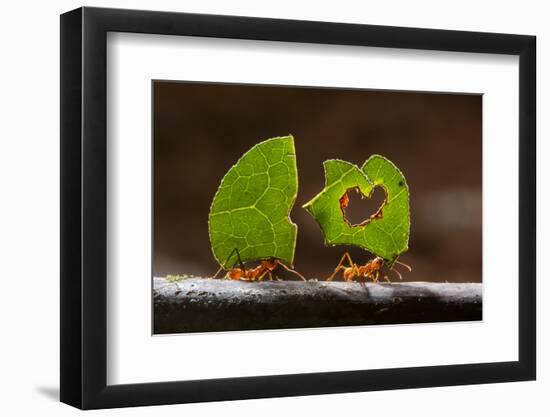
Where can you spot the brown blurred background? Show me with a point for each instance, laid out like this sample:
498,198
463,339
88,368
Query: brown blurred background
200,130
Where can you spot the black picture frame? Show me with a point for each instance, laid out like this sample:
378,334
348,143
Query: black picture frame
83,207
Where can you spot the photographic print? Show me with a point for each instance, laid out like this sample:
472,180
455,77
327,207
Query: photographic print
301,190
278,207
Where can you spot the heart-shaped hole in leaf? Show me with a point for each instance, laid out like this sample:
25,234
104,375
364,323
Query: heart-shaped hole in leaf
359,209
387,236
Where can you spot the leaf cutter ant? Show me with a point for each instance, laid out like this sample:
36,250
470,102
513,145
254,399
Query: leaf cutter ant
370,270
254,274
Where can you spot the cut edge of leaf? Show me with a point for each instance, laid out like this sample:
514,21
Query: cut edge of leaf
307,206
377,156
326,165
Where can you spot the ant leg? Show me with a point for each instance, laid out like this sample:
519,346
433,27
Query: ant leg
347,255
217,272
371,275
292,270
266,272
387,279
340,266
227,260
338,269
262,275
239,258
355,272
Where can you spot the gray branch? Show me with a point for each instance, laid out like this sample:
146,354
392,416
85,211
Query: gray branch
202,305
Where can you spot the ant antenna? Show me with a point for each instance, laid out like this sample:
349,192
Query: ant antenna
239,258
292,270
405,265
398,273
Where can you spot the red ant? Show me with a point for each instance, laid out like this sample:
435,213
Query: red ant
370,270
252,274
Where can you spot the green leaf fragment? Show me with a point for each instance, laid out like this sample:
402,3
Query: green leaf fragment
385,233
250,211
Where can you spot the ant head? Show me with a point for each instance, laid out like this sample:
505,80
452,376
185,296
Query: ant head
378,261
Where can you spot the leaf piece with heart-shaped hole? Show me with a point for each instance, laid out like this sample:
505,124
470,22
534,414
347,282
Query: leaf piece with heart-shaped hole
384,233
250,211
